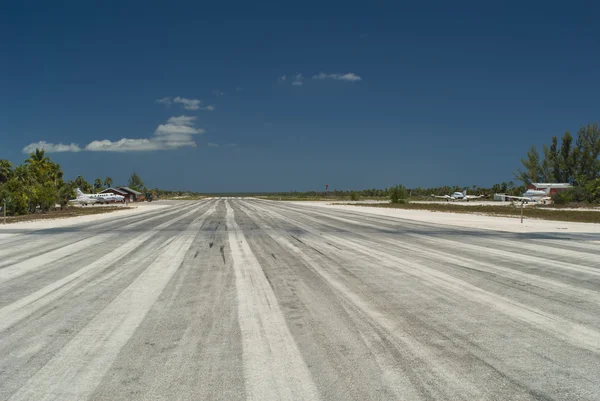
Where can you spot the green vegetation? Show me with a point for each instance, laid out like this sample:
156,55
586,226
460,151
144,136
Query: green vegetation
135,182
37,184
577,164
542,213
399,194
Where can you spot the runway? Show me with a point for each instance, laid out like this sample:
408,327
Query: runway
245,299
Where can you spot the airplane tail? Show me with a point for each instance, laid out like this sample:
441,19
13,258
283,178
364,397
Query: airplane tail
548,191
79,193
465,192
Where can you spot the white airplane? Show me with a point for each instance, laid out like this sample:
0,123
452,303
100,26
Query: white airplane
532,195
97,198
82,199
459,196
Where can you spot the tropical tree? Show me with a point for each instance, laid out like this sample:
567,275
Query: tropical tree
135,182
6,170
398,194
97,184
82,184
37,157
108,182
532,167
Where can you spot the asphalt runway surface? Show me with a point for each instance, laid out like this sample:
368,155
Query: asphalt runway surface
241,299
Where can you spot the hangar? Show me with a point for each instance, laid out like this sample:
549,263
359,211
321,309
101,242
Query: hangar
131,195
555,187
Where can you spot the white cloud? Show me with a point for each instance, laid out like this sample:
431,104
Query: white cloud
282,78
230,145
164,100
123,145
351,77
213,145
176,133
182,120
218,92
192,104
51,147
188,104
298,80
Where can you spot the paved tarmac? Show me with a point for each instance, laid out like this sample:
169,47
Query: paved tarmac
242,299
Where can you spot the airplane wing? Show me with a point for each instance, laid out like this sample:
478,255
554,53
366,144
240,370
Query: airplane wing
441,197
524,198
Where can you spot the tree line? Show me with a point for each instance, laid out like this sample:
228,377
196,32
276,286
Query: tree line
39,185
574,162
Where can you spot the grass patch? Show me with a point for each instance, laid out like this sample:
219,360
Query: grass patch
531,212
61,214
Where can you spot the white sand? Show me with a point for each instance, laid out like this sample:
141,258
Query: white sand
69,221
511,224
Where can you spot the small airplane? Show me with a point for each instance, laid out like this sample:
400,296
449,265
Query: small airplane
82,199
85,199
532,195
459,196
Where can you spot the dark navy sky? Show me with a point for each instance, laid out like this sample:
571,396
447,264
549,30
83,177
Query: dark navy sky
424,95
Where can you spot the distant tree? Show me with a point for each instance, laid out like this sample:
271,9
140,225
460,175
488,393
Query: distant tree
398,194
532,167
37,157
586,154
566,158
546,166
83,185
97,184
6,170
108,182
135,182
555,160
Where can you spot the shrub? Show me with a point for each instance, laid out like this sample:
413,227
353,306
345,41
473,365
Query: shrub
398,194
354,196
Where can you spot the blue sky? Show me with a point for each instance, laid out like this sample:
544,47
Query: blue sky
425,95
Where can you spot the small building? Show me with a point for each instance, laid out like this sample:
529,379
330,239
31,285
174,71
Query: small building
555,187
131,195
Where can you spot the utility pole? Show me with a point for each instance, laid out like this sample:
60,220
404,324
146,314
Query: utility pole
522,208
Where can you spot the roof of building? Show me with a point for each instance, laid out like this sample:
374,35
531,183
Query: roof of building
133,191
114,190
544,185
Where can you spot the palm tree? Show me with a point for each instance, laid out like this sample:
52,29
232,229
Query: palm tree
108,182
54,172
97,184
37,157
5,170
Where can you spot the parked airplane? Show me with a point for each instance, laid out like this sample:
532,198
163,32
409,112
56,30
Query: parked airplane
532,195
82,199
459,196
99,198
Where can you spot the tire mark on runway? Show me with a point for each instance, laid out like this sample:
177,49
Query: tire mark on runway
12,313
78,368
273,366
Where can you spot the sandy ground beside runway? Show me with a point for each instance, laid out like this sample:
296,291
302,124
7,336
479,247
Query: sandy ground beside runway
512,224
